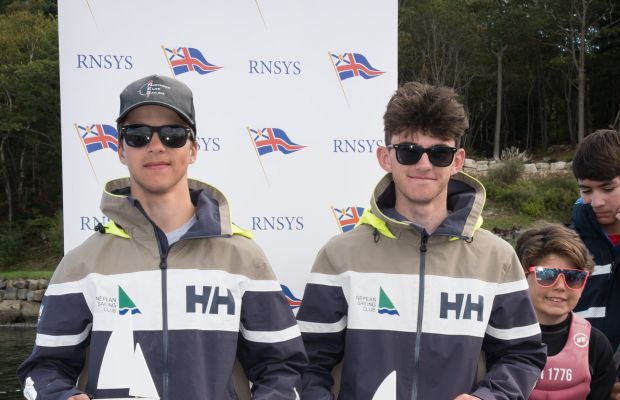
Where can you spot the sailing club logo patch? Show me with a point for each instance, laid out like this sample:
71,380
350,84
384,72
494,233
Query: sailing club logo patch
121,303
125,304
381,305
385,304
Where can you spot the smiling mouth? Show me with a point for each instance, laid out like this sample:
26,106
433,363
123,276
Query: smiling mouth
555,300
156,165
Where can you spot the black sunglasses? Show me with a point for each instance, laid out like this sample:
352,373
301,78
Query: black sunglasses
173,136
411,153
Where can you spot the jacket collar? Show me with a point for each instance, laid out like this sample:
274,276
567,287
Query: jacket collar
466,198
212,211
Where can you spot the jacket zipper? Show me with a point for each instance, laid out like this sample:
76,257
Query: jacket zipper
418,338
163,266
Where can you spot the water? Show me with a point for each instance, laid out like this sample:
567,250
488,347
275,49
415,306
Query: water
15,345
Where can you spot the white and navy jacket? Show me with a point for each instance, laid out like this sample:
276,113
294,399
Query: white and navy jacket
399,307
140,318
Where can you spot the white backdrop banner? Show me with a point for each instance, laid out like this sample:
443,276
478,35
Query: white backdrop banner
289,101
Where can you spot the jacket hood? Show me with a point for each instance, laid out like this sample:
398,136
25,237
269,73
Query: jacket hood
128,218
466,198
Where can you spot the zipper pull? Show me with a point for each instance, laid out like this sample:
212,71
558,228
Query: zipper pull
424,241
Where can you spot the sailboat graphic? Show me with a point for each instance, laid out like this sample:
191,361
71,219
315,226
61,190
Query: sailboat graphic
123,365
387,389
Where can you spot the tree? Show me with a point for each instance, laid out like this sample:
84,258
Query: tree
29,111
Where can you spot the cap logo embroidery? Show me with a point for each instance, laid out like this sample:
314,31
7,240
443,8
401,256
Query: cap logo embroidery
150,88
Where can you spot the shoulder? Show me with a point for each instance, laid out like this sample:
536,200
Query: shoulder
80,261
489,240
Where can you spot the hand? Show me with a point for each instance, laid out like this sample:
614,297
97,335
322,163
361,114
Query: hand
79,397
615,391
466,396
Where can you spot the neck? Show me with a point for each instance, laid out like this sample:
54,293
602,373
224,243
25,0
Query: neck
169,211
545,319
612,229
428,215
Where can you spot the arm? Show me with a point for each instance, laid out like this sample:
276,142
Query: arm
602,364
270,346
63,334
512,343
322,319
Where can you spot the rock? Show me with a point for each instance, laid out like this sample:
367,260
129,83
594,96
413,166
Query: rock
22,294
10,311
37,295
2,294
43,283
30,311
33,284
10,293
20,284
542,166
482,166
470,163
530,168
557,166
2,284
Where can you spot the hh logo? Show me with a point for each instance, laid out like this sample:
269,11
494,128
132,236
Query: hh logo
461,311
211,302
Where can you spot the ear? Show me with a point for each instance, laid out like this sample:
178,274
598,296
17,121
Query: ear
193,152
383,156
121,153
459,160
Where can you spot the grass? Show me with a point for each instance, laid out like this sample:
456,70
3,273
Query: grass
26,274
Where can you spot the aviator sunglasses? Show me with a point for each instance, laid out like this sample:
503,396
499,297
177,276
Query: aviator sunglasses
548,276
411,153
173,136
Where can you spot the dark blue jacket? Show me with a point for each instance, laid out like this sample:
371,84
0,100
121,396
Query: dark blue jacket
600,301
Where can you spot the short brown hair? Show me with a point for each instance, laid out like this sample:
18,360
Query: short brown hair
535,244
421,107
597,157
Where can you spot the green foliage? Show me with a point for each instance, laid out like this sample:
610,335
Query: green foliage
33,243
10,246
550,197
508,172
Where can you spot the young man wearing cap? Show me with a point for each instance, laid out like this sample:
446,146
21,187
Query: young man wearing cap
161,302
408,299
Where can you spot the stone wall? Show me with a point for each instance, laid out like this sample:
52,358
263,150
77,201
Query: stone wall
20,300
540,168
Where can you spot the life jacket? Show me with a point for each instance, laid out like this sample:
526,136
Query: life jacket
566,375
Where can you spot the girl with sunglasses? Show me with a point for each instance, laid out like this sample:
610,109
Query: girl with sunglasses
580,358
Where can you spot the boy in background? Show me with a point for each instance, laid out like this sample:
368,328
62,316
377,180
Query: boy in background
579,357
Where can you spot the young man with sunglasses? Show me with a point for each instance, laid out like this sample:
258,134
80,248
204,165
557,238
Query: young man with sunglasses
170,293
409,299
580,359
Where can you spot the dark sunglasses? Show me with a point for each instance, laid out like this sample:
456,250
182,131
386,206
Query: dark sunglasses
548,276
411,153
173,136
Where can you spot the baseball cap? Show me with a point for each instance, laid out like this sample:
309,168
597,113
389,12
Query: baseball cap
162,91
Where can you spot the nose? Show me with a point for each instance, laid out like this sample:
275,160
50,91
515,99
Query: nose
424,162
155,144
560,283
597,199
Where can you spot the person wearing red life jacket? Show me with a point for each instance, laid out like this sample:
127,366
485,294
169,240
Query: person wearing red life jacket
579,357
